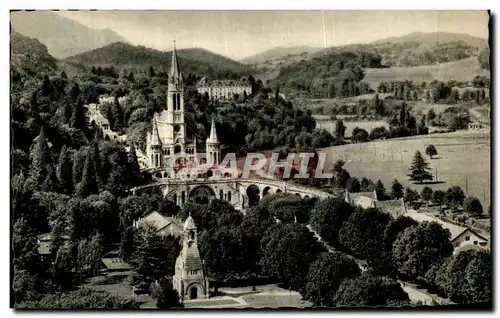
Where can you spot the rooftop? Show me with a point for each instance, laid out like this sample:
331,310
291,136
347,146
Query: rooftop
455,230
395,208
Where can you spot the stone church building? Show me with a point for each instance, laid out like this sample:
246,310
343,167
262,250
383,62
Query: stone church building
168,134
190,279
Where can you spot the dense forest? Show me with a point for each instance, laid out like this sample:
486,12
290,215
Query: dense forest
197,61
331,75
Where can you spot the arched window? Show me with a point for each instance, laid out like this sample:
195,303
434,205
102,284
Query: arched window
174,101
178,96
183,197
221,194
229,196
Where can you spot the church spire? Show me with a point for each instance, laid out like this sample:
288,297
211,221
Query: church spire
155,137
175,76
213,134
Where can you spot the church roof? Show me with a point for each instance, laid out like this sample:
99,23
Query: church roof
213,134
190,258
155,136
189,224
395,208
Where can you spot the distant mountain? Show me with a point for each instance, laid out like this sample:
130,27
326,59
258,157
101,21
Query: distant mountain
436,37
29,55
280,53
63,37
197,61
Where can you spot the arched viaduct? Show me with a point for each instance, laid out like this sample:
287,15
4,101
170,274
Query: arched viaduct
239,192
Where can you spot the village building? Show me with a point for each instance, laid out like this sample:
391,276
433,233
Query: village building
363,199
163,225
460,236
224,89
395,208
189,279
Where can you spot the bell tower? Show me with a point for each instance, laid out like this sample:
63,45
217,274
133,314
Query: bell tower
175,106
190,280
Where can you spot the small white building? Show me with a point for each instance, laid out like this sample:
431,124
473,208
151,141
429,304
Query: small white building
460,236
363,199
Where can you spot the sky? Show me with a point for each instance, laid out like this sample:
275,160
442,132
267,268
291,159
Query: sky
239,34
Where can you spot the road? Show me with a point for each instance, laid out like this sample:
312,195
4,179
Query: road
414,293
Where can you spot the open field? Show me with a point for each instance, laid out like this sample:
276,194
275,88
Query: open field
350,125
463,157
462,70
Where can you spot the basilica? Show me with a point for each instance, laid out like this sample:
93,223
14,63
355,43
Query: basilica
168,135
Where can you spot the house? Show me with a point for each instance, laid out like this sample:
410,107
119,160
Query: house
363,199
45,242
460,236
164,225
395,208
224,89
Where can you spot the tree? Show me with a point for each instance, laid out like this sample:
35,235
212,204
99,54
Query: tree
426,194
431,151
360,135
328,217
287,251
78,120
393,229
133,165
418,248
166,296
88,185
65,170
466,277
419,170
380,190
362,234
370,290
326,274
411,196
396,189
155,257
473,206
367,185
438,197
128,243
431,115
454,197
40,160
353,185
82,299
340,129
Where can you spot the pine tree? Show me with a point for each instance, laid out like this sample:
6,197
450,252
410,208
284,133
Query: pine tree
74,93
117,114
78,164
78,119
396,189
96,159
133,164
419,170
40,159
65,170
88,185
50,183
380,190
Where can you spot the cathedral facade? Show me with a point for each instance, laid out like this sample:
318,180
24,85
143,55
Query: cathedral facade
189,279
168,134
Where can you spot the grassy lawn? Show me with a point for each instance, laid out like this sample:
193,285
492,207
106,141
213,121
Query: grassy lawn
462,157
275,301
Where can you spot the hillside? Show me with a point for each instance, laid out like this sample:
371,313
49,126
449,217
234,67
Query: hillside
435,37
62,36
280,53
462,70
197,61
29,55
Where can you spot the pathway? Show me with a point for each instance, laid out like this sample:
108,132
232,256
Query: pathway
414,293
